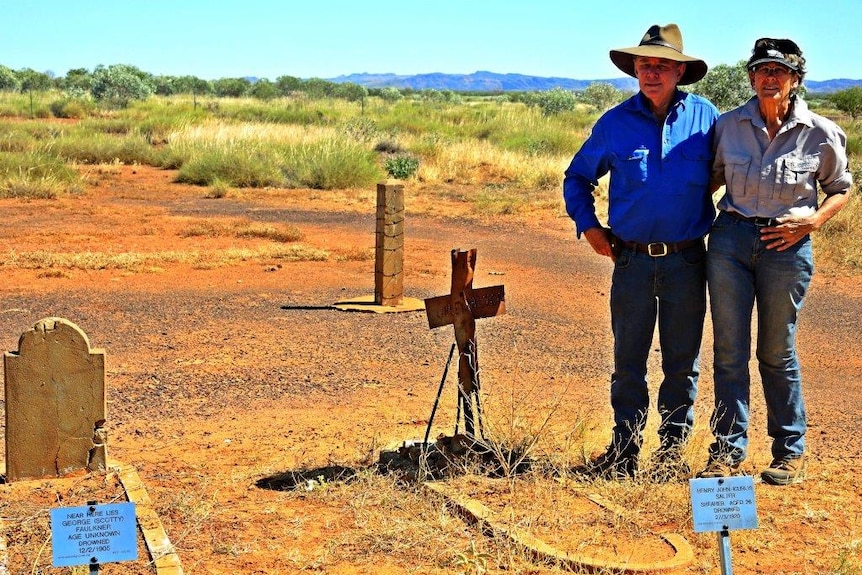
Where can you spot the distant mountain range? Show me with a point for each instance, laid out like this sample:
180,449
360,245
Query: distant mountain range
493,82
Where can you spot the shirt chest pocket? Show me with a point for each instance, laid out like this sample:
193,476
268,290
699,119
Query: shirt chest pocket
797,177
632,166
695,167
736,170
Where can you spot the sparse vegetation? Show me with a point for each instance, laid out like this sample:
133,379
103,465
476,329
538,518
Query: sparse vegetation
849,101
725,86
309,135
36,174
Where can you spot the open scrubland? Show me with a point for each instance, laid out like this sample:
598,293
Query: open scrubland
201,243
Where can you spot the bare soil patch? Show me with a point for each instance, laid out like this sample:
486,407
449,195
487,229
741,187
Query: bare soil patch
224,373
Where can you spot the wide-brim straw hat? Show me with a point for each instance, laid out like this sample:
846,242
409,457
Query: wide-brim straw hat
660,42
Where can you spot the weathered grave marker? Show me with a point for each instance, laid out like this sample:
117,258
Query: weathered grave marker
461,308
389,245
55,403
388,258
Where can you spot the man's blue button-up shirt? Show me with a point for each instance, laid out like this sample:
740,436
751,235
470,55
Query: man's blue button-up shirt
659,171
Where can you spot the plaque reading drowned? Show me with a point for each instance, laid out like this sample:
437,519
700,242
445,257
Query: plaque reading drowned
723,503
94,534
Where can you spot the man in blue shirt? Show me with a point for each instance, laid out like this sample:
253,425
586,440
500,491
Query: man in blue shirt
657,148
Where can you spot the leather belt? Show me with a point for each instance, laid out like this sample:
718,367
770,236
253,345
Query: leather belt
756,220
659,249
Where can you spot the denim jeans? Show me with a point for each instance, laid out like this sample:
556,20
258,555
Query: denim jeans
672,290
740,273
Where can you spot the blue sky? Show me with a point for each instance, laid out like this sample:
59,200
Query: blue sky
326,38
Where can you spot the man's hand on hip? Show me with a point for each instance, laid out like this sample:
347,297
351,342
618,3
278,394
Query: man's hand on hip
599,239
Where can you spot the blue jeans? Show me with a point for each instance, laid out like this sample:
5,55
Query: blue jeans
672,290
740,272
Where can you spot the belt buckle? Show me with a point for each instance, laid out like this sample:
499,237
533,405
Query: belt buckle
662,249
763,222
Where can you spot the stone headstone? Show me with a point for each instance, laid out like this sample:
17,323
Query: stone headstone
55,403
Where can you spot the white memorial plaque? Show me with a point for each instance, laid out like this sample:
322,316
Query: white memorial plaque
723,503
94,534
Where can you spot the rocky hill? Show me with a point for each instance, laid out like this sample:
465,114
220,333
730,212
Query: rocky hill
492,82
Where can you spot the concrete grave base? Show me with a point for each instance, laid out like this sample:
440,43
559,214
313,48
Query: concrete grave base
366,303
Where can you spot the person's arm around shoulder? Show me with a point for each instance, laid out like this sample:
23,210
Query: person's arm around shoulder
716,177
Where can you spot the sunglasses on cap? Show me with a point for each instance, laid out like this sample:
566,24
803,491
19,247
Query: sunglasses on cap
783,45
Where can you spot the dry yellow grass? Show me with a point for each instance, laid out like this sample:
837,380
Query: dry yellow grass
152,261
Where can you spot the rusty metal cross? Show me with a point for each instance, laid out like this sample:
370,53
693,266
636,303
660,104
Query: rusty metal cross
461,308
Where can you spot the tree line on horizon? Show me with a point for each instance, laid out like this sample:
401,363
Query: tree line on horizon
118,84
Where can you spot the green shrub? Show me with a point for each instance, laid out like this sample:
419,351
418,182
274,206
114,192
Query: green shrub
119,126
238,166
555,101
217,190
854,145
391,94
36,175
330,164
17,141
849,101
542,143
362,129
117,85
85,147
402,166
76,108
602,96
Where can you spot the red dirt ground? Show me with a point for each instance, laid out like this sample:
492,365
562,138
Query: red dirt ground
220,376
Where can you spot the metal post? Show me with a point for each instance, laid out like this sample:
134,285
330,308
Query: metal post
724,552
94,562
437,399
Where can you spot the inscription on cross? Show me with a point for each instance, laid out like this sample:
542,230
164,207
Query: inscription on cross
461,308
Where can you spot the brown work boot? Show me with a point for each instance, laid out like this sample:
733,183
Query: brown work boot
785,471
718,468
612,464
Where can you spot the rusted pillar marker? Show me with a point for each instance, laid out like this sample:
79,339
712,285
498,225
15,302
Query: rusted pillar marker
461,308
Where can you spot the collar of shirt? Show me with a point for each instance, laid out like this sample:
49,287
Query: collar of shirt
799,113
641,105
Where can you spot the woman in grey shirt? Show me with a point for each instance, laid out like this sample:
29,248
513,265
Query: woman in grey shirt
772,154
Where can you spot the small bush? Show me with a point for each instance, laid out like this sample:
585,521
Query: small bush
87,148
854,146
218,189
72,108
388,147
115,126
329,165
17,141
36,175
401,167
362,129
241,167
556,101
